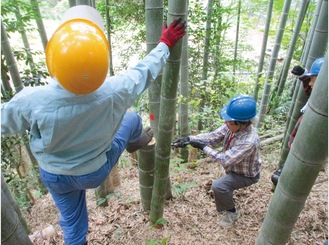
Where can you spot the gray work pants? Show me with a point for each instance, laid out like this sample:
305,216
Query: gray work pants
224,186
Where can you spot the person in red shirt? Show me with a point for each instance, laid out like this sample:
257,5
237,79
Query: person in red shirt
300,73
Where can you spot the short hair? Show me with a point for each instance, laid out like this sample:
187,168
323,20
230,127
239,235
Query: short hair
243,123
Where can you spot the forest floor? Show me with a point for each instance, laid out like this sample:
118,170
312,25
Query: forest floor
190,214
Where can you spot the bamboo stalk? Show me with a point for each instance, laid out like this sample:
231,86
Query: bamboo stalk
146,159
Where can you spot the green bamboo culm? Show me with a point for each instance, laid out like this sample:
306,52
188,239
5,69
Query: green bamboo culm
183,105
18,84
154,21
83,2
176,9
146,156
14,229
38,19
287,61
237,32
271,68
23,33
304,162
72,3
146,159
205,59
109,37
310,33
317,49
263,49
10,59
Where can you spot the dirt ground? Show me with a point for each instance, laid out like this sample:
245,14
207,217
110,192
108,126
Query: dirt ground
190,216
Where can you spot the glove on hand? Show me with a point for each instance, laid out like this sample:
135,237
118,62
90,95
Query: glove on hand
298,70
197,144
170,35
181,142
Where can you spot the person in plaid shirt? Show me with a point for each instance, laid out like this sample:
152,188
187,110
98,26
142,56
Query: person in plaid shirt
240,156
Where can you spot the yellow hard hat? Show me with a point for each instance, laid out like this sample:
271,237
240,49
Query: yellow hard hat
77,56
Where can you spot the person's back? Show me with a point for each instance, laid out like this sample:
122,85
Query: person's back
68,131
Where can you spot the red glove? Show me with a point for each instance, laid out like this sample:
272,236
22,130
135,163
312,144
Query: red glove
170,35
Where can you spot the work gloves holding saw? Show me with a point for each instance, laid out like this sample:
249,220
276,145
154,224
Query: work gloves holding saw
184,141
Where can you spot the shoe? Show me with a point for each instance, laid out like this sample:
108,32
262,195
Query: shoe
143,140
276,175
228,219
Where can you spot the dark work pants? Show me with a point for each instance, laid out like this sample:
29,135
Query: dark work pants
224,187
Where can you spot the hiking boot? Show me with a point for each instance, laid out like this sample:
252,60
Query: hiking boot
276,175
143,140
228,219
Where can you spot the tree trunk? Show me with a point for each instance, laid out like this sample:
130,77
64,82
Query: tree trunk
264,44
177,8
317,49
220,28
310,34
205,57
305,160
236,40
17,81
154,21
109,28
24,37
10,59
183,105
72,3
38,19
83,2
287,61
274,58
271,140
5,86
146,159
93,3
13,226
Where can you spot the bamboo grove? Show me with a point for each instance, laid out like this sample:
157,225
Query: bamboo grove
202,72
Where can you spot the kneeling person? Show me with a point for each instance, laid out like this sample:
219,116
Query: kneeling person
240,157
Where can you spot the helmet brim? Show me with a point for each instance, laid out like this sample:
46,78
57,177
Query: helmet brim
223,114
309,74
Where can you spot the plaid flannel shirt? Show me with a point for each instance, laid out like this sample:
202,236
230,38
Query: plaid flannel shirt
243,153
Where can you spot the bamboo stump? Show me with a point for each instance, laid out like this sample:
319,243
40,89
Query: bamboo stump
107,187
193,155
146,160
133,158
113,180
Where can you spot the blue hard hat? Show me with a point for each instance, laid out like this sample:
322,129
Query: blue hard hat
239,108
315,68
